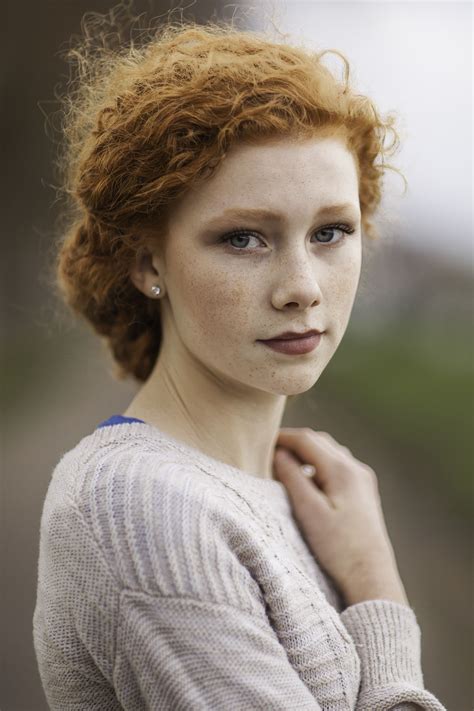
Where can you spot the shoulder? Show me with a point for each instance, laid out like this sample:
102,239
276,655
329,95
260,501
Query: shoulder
167,527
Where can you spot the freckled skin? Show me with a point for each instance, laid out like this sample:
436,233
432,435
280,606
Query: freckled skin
214,386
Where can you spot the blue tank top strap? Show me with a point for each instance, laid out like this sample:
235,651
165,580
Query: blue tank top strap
118,420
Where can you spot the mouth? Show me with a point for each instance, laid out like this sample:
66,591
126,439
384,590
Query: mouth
292,335
296,344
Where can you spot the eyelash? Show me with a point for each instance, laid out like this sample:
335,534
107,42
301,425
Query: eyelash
244,232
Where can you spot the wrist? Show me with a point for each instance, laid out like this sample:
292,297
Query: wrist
377,583
377,591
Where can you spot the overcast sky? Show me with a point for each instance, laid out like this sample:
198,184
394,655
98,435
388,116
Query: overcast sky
415,58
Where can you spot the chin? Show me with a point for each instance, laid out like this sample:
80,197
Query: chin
297,390
290,384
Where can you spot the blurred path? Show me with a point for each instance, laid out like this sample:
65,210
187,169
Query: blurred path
431,545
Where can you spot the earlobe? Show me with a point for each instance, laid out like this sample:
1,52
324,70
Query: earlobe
143,273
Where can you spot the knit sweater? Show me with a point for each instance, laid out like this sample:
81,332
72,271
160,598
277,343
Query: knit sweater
169,580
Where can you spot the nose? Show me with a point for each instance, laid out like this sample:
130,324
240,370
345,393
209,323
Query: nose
297,283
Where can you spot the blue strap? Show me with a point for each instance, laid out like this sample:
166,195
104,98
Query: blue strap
118,420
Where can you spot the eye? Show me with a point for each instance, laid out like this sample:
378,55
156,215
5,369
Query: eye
347,229
241,237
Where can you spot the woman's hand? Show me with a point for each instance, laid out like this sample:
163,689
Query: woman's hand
339,512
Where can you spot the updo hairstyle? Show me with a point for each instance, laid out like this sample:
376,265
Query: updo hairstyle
141,125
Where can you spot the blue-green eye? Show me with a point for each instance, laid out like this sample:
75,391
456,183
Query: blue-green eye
238,236
341,228
245,235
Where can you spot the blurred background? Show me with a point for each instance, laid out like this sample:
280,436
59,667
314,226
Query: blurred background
399,390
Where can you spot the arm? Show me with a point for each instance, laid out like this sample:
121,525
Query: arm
179,653
340,514
388,641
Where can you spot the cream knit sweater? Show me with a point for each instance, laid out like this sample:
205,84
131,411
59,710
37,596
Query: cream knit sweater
168,580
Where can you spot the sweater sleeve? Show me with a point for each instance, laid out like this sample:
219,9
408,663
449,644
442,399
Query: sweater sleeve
183,653
388,641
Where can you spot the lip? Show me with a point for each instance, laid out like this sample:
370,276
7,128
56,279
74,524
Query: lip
294,346
291,335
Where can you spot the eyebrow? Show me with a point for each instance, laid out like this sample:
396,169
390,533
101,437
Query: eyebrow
239,213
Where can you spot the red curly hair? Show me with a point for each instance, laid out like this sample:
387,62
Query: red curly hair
142,125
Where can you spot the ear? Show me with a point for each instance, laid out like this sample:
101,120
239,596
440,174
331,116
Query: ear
147,271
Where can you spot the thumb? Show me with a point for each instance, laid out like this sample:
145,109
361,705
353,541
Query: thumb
301,488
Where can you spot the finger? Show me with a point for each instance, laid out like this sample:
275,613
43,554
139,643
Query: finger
330,440
301,488
320,435
310,449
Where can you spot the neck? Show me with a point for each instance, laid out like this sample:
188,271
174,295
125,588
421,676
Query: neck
230,422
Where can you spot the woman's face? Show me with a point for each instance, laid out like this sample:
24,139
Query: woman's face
290,269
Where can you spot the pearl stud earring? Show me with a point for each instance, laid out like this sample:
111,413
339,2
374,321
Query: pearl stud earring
156,290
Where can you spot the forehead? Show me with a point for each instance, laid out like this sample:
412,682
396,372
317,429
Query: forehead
274,175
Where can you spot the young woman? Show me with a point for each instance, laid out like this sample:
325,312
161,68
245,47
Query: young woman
193,554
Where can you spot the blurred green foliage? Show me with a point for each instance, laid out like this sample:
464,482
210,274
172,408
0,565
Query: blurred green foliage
414,384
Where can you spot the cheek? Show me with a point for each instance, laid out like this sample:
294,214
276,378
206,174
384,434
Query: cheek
214,303
342,288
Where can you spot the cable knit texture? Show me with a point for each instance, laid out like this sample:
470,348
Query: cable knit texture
170,580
